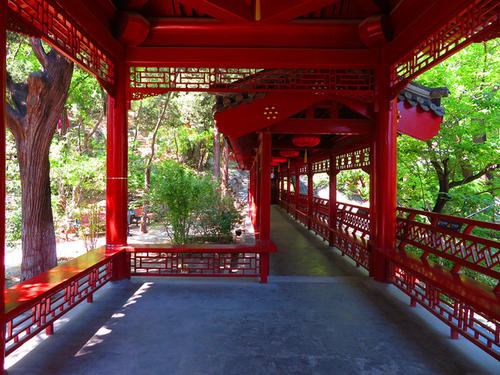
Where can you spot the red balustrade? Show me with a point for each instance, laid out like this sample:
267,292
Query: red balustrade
37,303
449,265
201,260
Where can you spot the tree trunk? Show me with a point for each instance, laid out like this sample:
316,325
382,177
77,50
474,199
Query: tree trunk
442,198
225,167
216,153
37,105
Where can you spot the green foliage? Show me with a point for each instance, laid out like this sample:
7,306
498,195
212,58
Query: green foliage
354,183
188,203
90,225
464,155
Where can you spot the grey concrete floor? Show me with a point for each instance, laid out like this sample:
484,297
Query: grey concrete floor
335,321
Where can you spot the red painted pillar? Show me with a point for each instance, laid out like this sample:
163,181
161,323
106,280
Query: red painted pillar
309,194
288,195
258,173
297,191
3,52
332,204
265,200
385,177
373,207
116,186
251,195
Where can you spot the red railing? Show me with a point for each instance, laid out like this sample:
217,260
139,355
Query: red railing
37,303
449,265
201,260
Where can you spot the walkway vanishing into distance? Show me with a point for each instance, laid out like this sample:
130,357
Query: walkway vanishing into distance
317,315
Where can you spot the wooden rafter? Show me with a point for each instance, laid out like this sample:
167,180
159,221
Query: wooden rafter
227,11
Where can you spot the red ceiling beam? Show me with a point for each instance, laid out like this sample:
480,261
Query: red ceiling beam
277,11
263,112
227,11
298,34
252,57
323,126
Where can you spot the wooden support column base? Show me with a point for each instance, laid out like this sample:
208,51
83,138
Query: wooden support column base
379,265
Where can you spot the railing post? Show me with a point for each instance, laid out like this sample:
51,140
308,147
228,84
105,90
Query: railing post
332,203
309,195
116,185
3,55
385,177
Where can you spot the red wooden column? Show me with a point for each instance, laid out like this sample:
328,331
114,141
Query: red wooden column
116,185
265,199
297,191
385,177
309,194
258,203
3,55
373,206
332,203
288,195
251,195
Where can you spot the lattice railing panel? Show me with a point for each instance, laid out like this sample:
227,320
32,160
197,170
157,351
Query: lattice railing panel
154,80
449,38
45,311
353,160
322,166
195,264
478,327
54,25
353,248
451,238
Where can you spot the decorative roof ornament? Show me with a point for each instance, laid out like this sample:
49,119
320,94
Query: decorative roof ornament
427,98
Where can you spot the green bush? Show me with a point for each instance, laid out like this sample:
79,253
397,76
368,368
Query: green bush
189,204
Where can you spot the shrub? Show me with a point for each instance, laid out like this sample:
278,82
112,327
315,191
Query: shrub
188,203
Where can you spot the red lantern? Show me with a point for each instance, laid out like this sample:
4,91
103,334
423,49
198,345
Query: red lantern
289,154
277,159
306,140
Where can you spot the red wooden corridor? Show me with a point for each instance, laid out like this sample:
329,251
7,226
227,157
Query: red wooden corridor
302,87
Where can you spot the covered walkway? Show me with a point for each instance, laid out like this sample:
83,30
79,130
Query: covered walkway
317,315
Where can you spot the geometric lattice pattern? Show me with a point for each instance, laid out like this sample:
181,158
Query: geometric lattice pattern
479,328
476,253
154,80
450,37
354,220
322,166
47,20
44,311
353,160
227,264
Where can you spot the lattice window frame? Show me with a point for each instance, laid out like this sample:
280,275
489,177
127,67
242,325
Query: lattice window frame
47,20
353,160
145,81
455,34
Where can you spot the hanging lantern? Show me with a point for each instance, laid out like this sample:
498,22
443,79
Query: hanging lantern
306,140
305,156
277,159
289,153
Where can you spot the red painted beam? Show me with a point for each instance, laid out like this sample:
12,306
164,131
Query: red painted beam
263,112
252,57
228,11
298,34
323,126
285,10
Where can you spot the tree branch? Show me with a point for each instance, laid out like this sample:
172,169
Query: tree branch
480,174
41,55
18,93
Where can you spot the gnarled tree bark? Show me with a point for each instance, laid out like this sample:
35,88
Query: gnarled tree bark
37,105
